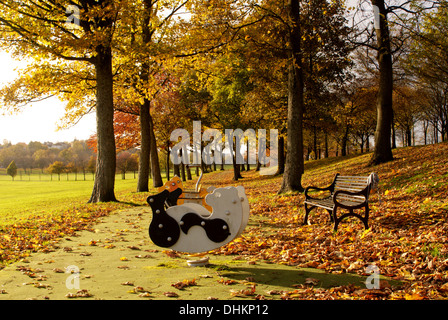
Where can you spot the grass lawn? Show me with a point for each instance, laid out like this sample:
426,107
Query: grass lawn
36,194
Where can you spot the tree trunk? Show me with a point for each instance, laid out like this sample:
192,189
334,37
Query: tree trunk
344,141
383,150
281,155
247,155
145,145
408,137
236,166
176,170
189,173
103,188
236,170
182,171
149,159
154,156
394,138
167,160
294,165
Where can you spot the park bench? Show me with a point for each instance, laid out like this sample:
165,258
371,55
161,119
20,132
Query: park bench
346,192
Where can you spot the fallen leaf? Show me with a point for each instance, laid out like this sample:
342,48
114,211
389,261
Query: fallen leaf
183,284
171,294
144,294
79,294
227,281
274,292
41,285
312,281
243,292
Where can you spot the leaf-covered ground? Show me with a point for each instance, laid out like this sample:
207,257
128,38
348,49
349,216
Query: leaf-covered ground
407,239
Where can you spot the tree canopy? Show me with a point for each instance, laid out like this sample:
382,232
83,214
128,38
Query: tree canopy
330,78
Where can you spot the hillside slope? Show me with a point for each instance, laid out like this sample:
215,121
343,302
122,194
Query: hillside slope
407,239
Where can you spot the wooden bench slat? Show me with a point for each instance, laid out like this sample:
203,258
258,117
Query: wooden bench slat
352,189
352,177
343,183
343,196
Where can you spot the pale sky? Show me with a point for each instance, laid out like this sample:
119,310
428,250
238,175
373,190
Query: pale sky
39,121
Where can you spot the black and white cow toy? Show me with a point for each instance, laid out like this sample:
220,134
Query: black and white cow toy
190,227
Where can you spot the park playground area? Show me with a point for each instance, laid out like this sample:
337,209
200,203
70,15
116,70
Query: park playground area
276,257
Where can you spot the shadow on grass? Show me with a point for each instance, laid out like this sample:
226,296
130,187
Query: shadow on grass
133,204
285,276
328,162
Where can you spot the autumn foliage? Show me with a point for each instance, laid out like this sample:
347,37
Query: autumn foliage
406,241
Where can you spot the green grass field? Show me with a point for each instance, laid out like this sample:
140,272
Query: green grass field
39,193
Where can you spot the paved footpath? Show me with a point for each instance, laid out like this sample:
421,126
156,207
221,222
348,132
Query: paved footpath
118,261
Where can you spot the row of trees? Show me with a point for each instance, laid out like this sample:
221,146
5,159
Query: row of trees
57,158
301,66
34,155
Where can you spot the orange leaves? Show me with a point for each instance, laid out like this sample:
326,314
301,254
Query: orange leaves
406,240
227,281
250,291
184,283
39,232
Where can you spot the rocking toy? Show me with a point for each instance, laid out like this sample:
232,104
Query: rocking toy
189,226
188,196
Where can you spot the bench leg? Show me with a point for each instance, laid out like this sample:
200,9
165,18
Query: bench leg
335,219
364,219
330,212
307,211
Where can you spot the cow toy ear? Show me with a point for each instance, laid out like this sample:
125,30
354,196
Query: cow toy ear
212,198
157,200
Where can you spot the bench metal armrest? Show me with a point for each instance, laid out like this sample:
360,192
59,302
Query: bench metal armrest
329,188
308,197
